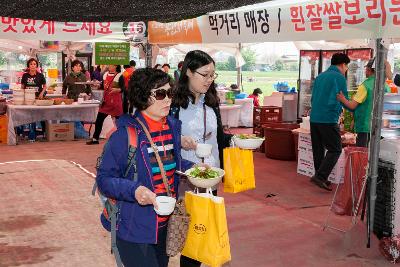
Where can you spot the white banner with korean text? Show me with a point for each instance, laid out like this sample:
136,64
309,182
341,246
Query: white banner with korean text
22,29
278,21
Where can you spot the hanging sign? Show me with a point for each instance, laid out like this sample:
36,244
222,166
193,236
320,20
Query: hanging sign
278,21
112,53
17,28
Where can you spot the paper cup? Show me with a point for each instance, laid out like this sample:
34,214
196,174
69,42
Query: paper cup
165,204
203,150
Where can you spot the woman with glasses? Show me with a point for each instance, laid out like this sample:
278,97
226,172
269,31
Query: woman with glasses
196,104
141,235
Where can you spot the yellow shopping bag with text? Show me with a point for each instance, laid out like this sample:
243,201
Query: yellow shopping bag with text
239,170
207,240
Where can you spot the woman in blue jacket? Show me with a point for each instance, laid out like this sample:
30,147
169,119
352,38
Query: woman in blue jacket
141,233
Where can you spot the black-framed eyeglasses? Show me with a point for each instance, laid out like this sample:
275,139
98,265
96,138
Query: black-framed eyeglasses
206,76
160,94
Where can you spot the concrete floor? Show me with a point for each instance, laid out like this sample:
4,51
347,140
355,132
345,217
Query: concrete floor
277,224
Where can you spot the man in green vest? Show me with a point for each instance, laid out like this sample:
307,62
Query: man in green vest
361,104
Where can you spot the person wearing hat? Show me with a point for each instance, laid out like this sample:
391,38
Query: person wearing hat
361,104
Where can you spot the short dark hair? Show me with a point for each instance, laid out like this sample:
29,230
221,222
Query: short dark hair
257,91
30,60
234,86
77,62
339,58
132,63
142,82
118,68
157,65
166,65
193,60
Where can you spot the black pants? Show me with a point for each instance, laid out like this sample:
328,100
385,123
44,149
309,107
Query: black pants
325,136
141,255
362,139
99,124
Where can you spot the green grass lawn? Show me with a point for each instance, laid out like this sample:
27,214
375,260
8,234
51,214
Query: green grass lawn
263,80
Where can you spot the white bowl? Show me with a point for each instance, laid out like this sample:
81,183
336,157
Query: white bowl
250,143
203,150
205,183
166,205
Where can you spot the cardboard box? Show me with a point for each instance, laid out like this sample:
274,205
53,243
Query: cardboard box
60,131
3,129
305,161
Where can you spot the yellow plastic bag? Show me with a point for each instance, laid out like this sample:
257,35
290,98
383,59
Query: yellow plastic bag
239,170
207,240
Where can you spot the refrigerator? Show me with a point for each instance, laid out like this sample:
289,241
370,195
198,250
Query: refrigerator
308,71
313,62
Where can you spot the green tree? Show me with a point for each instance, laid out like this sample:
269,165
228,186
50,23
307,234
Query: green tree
231,64
278,66
221,66
397,65
249,57
3,59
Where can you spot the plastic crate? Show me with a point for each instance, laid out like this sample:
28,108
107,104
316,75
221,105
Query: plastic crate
267,114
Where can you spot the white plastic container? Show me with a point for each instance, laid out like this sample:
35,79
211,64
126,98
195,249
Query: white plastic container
29,96
18,97
165,204
203,150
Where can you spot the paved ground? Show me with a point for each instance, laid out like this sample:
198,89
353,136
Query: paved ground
52,220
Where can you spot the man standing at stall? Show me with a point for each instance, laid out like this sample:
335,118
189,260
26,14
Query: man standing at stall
362,103
325,112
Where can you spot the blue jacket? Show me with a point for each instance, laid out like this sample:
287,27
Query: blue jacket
135,223
325,108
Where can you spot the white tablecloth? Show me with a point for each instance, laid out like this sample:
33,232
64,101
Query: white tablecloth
230,115
24,114
246,111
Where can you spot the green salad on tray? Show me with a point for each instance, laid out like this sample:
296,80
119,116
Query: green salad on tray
247,136
207,173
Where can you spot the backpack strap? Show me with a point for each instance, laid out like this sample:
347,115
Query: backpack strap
114,248
132,146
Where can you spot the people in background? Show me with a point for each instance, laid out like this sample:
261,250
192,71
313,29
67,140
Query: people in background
96,75
165,68
70,87
196,105
118,68
325,112
177,72
141,235
362,103
255,96
235,89
112,101
33,79
126,76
